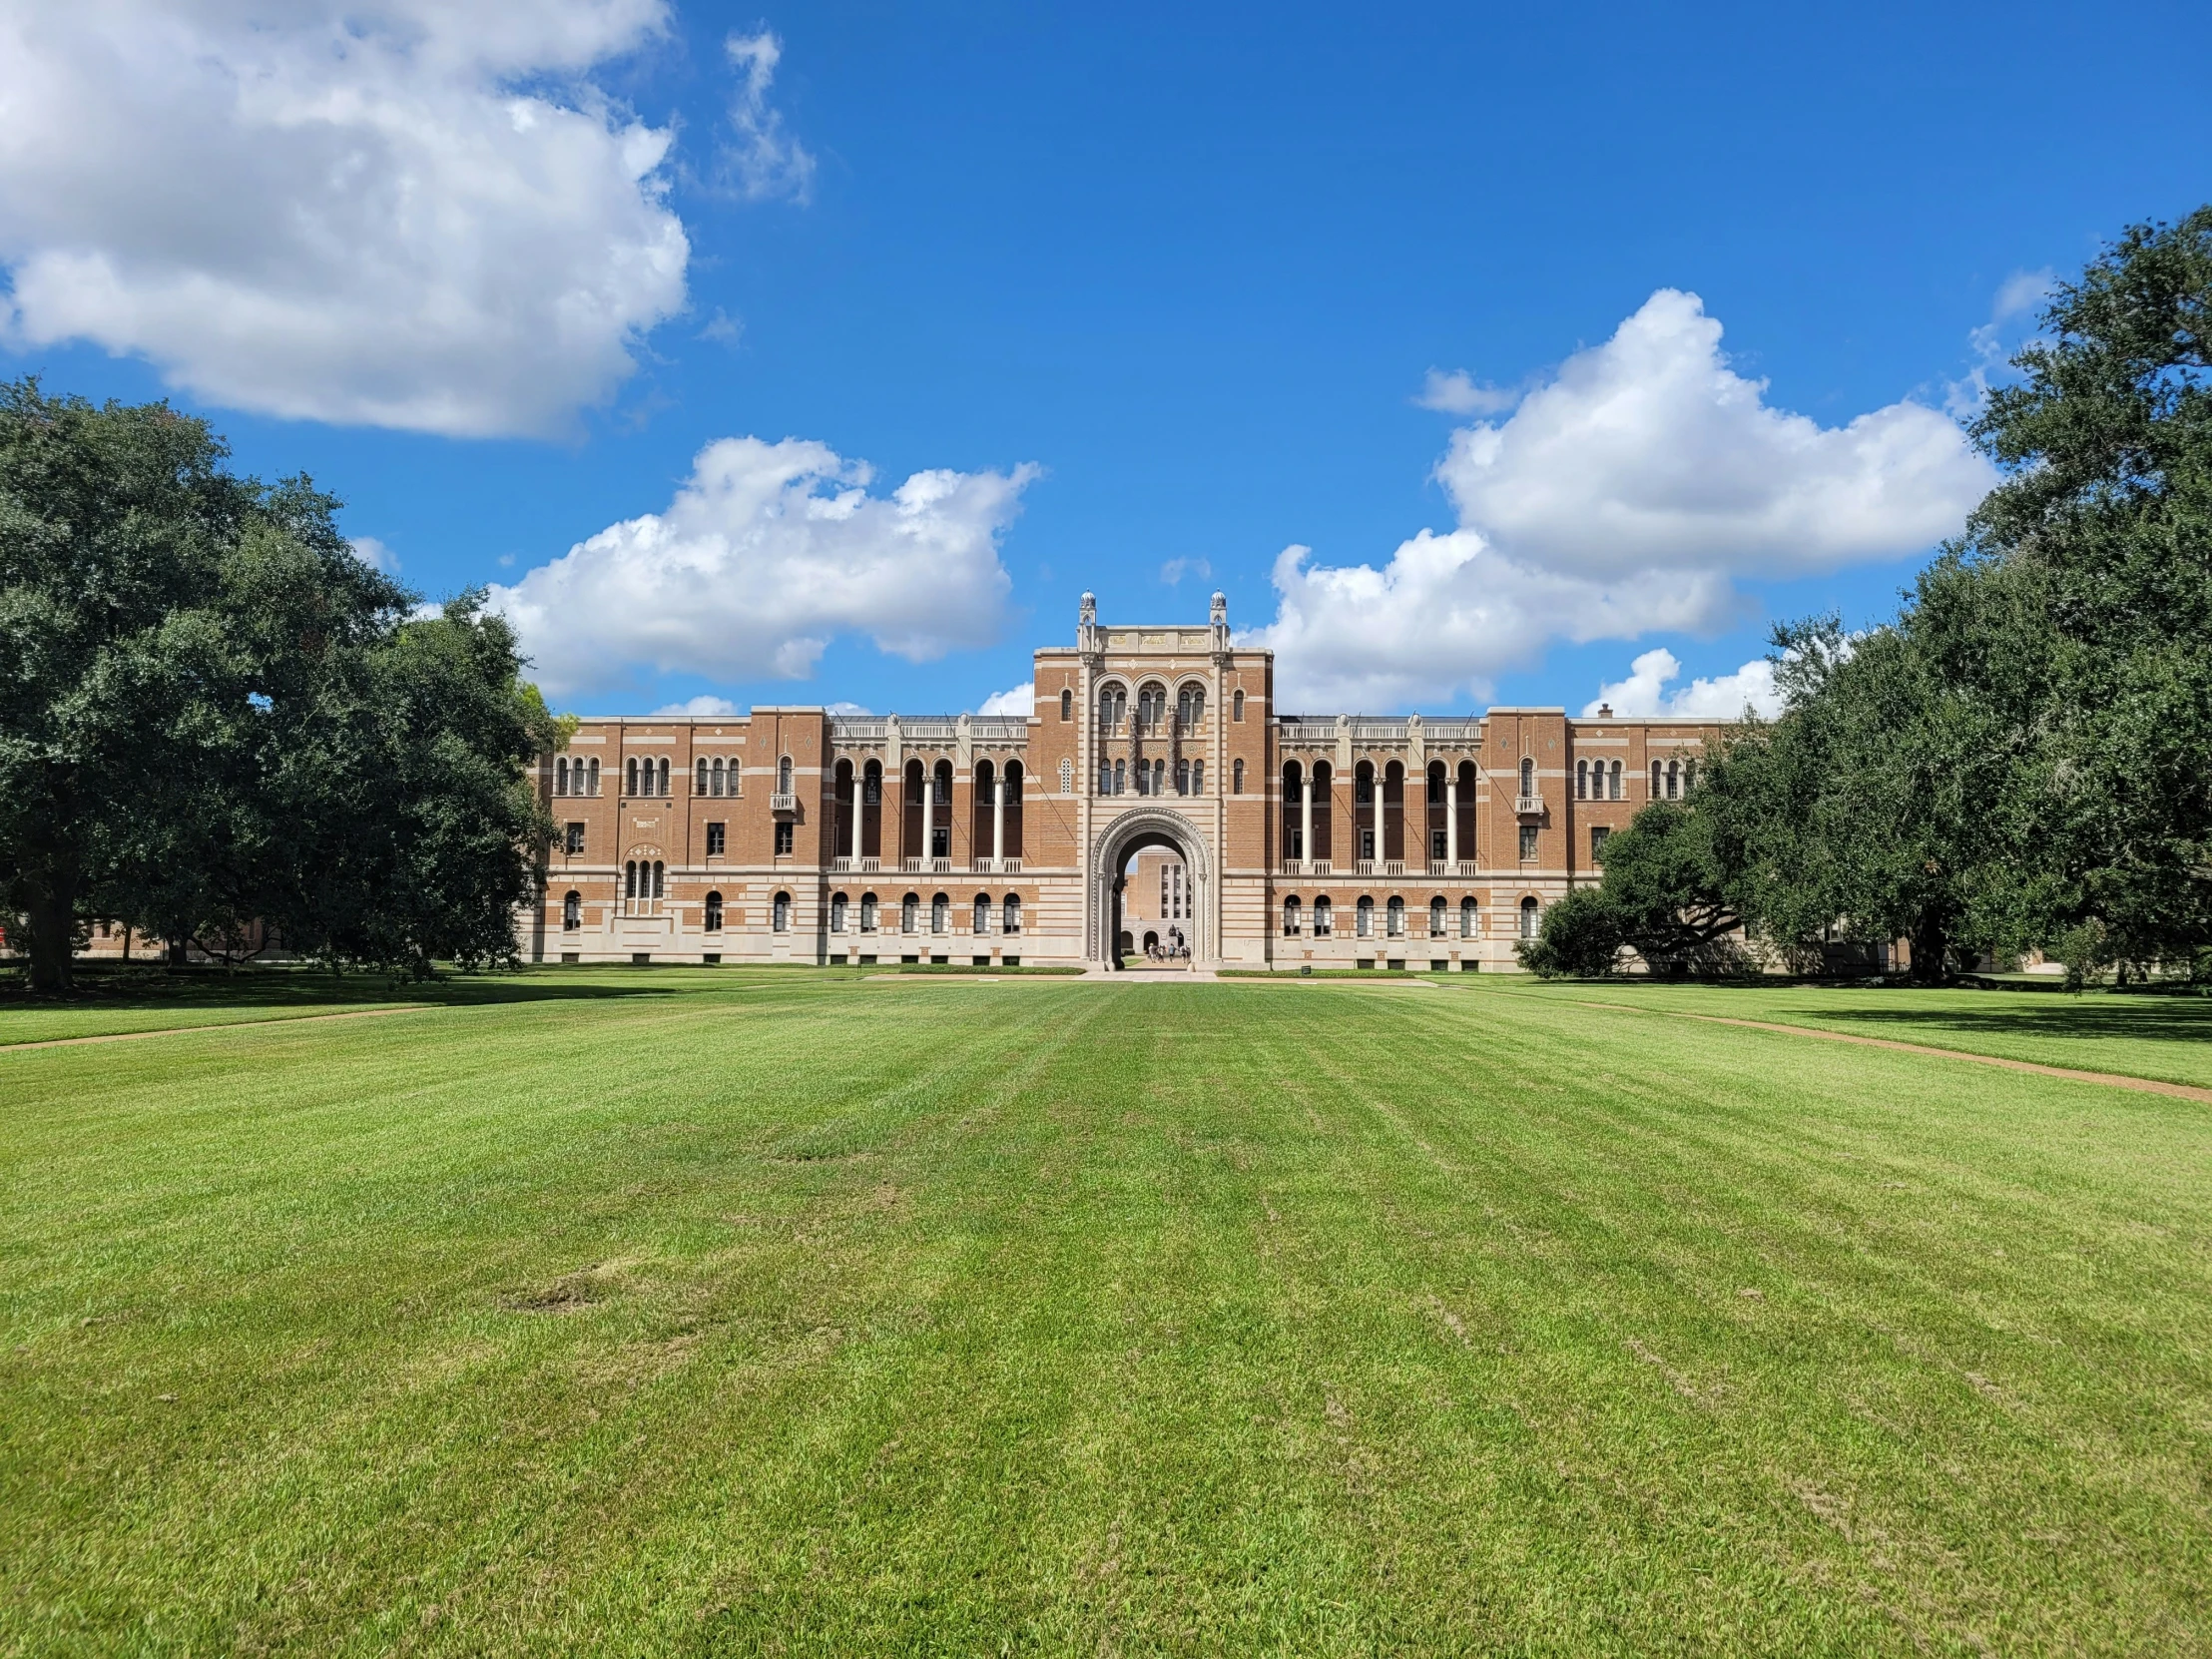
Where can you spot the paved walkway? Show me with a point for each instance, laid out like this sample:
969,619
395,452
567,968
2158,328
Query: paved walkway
1150,976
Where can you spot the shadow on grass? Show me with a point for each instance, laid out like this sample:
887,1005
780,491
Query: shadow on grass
129,990
2141,1021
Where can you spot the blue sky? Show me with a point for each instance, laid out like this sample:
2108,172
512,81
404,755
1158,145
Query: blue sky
1191,265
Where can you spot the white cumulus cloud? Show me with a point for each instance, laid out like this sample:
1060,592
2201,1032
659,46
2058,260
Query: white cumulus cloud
1724,697
1649,451
767,553
1446,614
1622,496
1014,700
393,213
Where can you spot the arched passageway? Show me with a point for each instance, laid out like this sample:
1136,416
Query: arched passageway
1130,834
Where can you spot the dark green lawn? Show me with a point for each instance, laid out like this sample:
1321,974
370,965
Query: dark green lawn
688,1312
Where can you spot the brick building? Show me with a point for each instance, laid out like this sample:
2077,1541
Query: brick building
1335,841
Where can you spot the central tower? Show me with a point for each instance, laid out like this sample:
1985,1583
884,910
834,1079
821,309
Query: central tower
1162,732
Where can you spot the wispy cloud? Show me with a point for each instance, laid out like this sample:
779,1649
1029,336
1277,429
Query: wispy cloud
762,159
1461,393
1176,569
1992,344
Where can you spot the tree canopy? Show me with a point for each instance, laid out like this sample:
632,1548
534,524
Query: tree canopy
214,718
2023,757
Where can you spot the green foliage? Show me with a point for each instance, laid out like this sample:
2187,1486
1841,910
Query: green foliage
217,720
2104,522
2019,758
1665,898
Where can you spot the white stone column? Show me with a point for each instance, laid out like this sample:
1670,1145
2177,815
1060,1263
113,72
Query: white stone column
928,814
998,821
1451,821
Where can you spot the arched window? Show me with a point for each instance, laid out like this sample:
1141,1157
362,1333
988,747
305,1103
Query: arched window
1528,917
1323,918
1290,919
594,789
721,775
659,886
1113,707
1582,780
781,913
1189,706
663,777
867,912
1236,775
837,912
1067,704
630,879
1067,776
1198,778
1689,775
560,776
630,777
1152,704
982,912
700,787
910,914
1655,773
941,914
1120,778
1364,920
1436,918
1144,777
1236,706
784,776
1674,780
1466,919
572,912
1159,777
1010,915
1182,776
1616,794
1527,778
713,912
1396,914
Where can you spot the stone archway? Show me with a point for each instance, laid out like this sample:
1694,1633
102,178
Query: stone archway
1128,833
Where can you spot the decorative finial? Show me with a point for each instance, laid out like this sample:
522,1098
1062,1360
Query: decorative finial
1089,613
1221,609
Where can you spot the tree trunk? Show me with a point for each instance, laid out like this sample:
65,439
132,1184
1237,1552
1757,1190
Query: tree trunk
1931,943
53,928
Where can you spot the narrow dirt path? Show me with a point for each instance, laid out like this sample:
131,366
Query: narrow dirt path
2117,1080
181,1030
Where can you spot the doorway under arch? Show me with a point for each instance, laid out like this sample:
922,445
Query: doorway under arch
1129,834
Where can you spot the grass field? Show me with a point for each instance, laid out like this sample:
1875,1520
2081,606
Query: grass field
778,1312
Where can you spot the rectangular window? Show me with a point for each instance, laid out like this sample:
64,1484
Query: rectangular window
784,841
1598,832
717,840
1367,844
574,842
1528,841
1437,844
